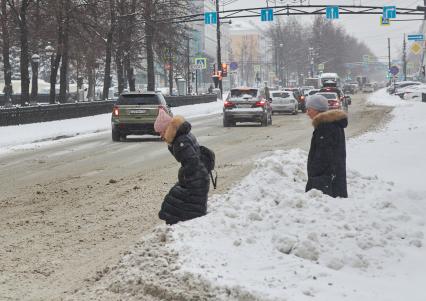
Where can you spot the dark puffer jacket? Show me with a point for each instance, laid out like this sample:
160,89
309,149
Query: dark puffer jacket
327,155
187,199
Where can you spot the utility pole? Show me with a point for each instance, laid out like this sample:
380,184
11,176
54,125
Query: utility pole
188,63
219,54
404,58
389,54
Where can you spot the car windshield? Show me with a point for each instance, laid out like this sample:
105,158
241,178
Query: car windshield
243,93
138,99
329,95
281,94
312,92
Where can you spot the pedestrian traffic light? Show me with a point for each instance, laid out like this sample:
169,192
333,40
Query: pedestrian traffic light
224,70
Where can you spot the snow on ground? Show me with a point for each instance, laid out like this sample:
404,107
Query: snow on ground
266,239
266,236
399,151
382,98
26,135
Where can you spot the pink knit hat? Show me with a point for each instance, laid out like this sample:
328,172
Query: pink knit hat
162,122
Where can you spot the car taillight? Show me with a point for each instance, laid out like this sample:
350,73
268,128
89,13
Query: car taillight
260,103
228,104
115,112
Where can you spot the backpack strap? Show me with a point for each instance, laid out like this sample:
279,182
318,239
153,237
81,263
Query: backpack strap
214,180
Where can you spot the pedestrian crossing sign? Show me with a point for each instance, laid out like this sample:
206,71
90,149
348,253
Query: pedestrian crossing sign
201,62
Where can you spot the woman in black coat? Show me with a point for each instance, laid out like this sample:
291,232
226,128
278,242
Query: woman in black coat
187,199
327,154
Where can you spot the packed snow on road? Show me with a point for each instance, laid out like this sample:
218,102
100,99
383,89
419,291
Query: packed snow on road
266,239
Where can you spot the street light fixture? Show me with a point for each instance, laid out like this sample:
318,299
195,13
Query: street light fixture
50,52
35,60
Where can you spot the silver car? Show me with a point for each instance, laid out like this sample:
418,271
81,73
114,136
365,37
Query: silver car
246,105
284,101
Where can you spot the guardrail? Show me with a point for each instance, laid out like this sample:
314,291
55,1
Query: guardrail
43,113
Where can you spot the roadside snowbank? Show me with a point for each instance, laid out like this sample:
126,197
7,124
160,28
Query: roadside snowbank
397,153
279,243
383,98
12,136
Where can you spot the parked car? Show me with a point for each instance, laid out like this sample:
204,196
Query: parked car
393,88
135,113
299,97
413,92
246,105
334,102
284,101
368,88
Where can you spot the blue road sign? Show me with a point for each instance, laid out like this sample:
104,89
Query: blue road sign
416,37
389,12
233,66
332,12
394,70
267,14
210,18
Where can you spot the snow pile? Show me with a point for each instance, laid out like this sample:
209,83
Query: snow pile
383,98
273,240
398,152
21,135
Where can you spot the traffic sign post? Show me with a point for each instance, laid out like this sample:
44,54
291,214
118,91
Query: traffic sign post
384,21
332,12
416,48
210,18
233,66
201,62
389,12
416,37
267,15
394,70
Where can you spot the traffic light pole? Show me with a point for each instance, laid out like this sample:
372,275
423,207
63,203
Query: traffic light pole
219,54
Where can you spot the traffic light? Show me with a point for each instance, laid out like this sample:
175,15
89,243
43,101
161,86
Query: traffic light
193,76
224,70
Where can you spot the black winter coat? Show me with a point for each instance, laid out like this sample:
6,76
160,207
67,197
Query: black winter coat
327,155
187,199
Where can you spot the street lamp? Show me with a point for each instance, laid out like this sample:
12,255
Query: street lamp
35,60
50,52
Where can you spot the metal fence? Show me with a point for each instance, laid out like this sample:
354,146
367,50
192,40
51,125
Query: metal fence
43,113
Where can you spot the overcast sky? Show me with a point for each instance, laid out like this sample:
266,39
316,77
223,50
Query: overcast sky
365,28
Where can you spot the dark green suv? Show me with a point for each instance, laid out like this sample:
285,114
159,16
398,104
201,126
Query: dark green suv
135,114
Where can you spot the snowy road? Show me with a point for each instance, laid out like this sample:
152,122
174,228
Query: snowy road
71,208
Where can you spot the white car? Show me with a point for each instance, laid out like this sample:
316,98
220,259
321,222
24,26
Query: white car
284,101
368,88
413,92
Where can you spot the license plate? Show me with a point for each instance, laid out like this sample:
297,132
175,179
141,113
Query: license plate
137,111
244,106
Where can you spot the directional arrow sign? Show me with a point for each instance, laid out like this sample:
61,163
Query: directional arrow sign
332,12
267,14
389,12
416,37
210,18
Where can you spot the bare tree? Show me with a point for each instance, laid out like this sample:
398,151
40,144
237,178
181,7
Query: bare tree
6,57
20,11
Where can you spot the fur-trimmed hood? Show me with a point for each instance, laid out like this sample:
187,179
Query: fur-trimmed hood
177,125
330,117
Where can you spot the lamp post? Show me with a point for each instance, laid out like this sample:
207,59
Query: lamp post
50,52
35,60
